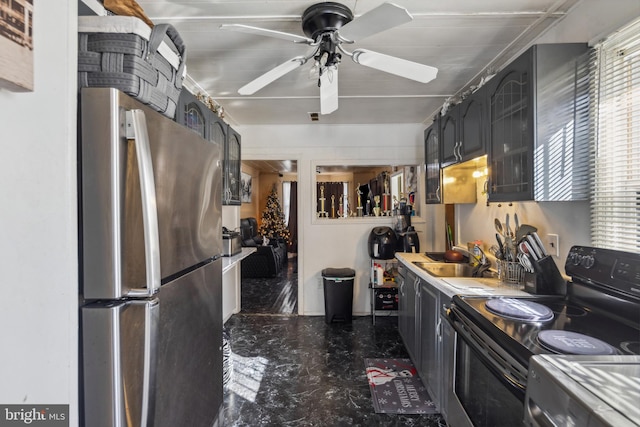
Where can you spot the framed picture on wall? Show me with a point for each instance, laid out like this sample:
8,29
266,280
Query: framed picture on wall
245,182
16,45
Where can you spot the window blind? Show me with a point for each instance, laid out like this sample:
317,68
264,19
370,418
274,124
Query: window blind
615,109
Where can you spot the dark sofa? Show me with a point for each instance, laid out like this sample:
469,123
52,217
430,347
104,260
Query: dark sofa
268,259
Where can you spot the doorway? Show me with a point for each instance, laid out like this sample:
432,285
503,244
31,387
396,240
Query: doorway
273,194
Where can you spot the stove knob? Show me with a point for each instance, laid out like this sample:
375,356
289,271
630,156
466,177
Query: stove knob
575,258
588,261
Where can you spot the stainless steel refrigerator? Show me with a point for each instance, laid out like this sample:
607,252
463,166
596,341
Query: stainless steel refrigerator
150,294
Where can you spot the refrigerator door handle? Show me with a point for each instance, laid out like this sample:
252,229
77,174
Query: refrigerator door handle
120,358
136,130
151,327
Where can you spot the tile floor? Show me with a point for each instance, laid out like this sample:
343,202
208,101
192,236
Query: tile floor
278,295
290,370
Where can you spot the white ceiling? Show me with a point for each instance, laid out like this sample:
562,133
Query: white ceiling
464,39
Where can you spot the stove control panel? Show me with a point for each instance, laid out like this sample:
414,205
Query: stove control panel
585,260
613,269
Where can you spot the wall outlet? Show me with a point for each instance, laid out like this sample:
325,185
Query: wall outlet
553,244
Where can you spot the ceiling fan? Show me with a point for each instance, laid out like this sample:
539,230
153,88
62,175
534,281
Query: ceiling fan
328,26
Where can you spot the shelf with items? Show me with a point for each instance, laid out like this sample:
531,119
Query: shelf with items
383,286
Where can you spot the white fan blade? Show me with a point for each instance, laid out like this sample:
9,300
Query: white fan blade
272,75
394,65
383,17
264,32
329,91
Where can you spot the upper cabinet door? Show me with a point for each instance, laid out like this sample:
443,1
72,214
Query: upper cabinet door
450,137
472,126
218,132
463,130
192,113
232,159
511,133
432,159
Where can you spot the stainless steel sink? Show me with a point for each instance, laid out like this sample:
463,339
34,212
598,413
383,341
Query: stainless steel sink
443,269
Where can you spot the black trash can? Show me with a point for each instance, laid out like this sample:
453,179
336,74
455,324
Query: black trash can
338,294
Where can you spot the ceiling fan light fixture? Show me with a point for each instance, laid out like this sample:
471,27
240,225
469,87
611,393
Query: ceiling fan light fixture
328,25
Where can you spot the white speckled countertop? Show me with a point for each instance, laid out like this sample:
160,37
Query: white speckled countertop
451,286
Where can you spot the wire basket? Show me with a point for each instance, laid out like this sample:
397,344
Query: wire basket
510,272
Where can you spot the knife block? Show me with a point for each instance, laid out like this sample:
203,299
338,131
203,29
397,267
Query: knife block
547,279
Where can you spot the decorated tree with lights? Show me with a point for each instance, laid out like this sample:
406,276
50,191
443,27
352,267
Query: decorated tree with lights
272,225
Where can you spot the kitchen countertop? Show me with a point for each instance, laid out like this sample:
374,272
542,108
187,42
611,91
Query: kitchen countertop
230,261
451,286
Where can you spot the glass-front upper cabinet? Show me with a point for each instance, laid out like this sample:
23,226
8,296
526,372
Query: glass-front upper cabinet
432,160
537,105
192,113
511,133
232,159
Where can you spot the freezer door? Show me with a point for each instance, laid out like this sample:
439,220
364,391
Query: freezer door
119,342
116,200
189,375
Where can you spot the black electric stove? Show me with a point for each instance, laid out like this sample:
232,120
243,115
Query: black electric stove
599,315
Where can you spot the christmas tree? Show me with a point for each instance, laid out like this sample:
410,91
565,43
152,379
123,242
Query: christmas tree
272,225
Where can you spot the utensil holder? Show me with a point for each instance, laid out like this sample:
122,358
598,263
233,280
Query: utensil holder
549,280
510,272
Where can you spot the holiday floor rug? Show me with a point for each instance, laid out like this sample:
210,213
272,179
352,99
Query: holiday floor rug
396,387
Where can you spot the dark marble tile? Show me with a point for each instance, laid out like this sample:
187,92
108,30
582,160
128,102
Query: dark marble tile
299,371
276,295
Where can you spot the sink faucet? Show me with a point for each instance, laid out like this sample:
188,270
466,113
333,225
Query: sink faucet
483,262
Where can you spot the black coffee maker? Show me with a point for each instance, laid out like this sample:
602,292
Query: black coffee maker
408,241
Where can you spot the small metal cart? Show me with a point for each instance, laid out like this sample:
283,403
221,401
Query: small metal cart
384,295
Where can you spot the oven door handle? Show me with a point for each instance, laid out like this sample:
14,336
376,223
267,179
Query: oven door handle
492,363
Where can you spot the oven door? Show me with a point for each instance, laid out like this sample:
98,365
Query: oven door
488,383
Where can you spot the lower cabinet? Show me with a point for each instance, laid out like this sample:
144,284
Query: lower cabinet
420,328
430,341
408,298
448,369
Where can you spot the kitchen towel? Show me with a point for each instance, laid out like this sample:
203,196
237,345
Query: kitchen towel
396,387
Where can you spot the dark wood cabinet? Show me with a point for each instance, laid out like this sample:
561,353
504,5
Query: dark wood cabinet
196,116
408,311
463,130
511,136
433,180
193,114
450,137
429,365
472,127
231,171
538,138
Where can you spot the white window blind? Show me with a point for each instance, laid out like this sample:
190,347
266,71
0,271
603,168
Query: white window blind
615,202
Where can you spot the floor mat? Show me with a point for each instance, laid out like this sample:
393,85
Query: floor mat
396,387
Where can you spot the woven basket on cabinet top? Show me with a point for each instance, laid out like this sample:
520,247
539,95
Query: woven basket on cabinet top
124,53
